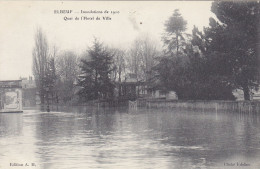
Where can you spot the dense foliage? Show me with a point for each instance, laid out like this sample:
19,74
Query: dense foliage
214,62
96,67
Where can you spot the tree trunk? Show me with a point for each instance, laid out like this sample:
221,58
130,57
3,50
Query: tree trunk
119,80
42,100
48,103
177,46
57,98
41,93
246,92
96,83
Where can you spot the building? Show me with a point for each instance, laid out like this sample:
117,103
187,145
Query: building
131,89
30,97
239,94
11,96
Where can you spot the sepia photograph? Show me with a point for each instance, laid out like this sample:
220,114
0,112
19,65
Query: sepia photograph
130,84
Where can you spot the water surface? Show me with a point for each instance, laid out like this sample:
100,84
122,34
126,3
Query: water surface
79,138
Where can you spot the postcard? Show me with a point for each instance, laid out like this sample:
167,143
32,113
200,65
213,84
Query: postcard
129,84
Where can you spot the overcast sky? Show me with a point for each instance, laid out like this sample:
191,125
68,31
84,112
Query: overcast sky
19,20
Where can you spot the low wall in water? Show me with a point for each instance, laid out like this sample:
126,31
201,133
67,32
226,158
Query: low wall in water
240,106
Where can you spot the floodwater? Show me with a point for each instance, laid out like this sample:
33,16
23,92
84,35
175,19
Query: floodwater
81,138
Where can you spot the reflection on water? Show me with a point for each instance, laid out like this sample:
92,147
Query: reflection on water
80,137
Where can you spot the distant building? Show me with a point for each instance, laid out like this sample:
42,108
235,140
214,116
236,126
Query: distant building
131,88
11,96
28,83
255,95
160,94
30,97
239,94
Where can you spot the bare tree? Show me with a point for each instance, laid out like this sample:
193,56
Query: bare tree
67,65
119,65
40,54
53,78
141,57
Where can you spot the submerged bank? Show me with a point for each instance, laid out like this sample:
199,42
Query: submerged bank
207,105
218,105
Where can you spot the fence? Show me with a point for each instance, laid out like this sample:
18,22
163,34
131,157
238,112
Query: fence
239,106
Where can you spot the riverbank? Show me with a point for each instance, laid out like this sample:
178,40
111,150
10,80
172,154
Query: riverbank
207,105
217,105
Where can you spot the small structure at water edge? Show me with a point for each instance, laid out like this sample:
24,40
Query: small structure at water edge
11,96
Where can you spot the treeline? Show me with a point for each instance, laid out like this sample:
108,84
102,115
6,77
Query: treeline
55,74
63,77
209,64
206,64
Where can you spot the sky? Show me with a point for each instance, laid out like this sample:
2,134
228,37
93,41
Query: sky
129,20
